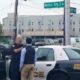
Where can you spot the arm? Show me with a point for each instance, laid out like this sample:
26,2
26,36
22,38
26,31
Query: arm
17,50
23,52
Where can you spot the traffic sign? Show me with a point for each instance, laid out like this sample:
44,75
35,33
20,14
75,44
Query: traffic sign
54,4
72,10
59,4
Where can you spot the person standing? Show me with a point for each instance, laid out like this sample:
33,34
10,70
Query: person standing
14,72
27,61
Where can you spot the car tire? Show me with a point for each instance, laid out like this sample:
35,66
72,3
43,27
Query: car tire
58,76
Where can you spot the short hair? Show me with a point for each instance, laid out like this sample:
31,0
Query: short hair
29,40
18,36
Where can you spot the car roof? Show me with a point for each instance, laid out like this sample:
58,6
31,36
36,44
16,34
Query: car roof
57,46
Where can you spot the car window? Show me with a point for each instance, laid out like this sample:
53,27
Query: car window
45,54
73,54
0,55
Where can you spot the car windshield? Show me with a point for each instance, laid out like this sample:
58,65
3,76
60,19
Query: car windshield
73,54
45,54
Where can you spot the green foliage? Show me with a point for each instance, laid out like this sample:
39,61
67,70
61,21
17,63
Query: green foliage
0,29
4,40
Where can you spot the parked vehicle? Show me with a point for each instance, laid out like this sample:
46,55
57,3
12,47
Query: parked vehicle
2,66
57,63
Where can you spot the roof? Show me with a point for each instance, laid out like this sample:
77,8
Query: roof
57,46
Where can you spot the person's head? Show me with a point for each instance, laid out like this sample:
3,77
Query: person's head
29,40
18,39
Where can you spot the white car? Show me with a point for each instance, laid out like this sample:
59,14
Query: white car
57,63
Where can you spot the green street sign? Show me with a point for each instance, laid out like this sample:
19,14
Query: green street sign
54,4
72,10
60,4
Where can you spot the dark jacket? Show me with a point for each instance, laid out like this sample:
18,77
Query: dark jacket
15,59
30,55
14,73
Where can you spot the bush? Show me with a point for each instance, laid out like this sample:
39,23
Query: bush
4,40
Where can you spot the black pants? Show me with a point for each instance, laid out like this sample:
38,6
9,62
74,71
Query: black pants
14,73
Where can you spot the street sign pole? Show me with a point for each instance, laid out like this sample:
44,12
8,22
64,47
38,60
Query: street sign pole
67,22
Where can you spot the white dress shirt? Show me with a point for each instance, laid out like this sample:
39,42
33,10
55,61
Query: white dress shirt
23,52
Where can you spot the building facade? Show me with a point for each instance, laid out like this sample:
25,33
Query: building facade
41,25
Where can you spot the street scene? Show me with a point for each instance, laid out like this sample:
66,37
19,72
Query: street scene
39,39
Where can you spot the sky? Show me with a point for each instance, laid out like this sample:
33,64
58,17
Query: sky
32,7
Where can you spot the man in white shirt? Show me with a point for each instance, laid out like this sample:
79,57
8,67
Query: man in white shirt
27,61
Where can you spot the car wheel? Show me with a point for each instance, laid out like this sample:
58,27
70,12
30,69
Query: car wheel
58,76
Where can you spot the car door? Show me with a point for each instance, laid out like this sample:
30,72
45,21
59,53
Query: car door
2,66
45,61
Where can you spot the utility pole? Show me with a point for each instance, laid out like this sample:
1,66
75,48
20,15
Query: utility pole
67,22
15,18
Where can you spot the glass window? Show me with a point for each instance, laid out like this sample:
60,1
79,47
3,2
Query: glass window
22,30
0,55
10,24
63,22
39,23
73,54
59,22
29,23
22,23
73,23
79,29
73,29
52,23
45,54
32,23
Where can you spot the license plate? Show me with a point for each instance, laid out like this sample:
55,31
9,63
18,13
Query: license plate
77,66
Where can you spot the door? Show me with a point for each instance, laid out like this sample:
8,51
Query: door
45,61
2,67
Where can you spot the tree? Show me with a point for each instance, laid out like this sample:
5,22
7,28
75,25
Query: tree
3,39
0,29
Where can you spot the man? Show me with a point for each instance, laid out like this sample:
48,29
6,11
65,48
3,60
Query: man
27,61
15,59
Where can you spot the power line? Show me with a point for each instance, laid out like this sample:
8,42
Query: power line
8,6
37,8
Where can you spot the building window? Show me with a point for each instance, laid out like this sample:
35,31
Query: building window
52,29
63,22
3,24
52,23
73,23
73,29
29,23
59,22
32,29
22,23
79,29
10,24
22,30
70,22
32,23
39,23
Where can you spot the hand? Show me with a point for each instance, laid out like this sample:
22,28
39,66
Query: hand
21,68
17,50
